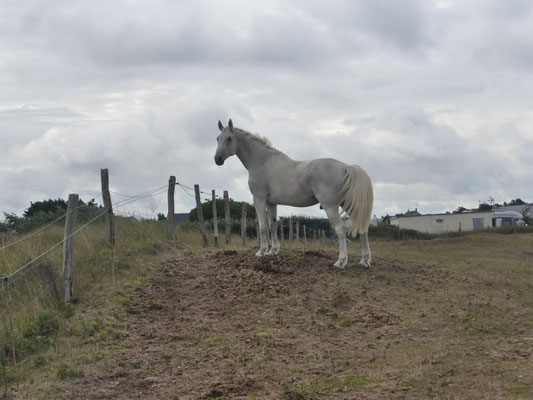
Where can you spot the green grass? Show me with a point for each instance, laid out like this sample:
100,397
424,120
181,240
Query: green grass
37,327
52,341
315,389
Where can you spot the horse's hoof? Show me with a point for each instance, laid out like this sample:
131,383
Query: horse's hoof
364,264
273,252
260,253
339,265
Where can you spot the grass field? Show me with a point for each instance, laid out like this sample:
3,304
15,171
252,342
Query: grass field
440,318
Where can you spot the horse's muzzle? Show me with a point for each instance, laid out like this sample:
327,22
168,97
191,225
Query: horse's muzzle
219,160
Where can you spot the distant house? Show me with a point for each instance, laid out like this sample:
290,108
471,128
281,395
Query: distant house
414,213
465,221
525,209
181,218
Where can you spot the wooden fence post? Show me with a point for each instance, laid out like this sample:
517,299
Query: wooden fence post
3,234
243,224
200,212
290,233
68,244
8,314
281,232
215,220
257,234
305,236
171,212
227,217
297,231
108,205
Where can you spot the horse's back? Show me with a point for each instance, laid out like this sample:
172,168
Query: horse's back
327,171
325,177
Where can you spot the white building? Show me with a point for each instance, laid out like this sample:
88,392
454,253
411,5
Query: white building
466,221
525,209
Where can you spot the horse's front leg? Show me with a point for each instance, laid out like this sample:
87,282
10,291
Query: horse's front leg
273,215
261,210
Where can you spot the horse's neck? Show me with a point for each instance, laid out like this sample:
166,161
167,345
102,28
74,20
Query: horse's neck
252,152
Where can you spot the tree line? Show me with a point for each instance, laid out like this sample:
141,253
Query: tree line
43,212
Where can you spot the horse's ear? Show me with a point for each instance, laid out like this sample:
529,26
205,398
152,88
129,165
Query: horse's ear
220,126
230,124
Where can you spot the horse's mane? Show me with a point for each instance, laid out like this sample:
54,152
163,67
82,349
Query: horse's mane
254,136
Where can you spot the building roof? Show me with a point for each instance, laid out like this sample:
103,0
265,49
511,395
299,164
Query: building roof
406,215
181,218
414,213
524,209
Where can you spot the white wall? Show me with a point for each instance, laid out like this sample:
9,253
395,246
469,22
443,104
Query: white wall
448,222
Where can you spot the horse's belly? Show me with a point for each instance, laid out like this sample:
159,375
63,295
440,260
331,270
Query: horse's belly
294,198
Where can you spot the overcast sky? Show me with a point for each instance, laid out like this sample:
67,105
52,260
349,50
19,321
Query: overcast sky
433,98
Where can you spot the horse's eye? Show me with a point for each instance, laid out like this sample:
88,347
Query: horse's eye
229,139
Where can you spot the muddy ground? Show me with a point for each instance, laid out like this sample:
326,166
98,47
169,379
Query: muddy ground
228,325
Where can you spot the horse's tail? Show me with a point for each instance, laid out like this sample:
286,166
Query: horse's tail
358,199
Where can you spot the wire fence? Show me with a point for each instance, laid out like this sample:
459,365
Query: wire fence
14,299
298,235
13,279
26,268
129,199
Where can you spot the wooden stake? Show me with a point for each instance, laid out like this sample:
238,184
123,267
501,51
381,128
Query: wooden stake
290,233
215,220
68,244
200,214
243,224
170,216
9,316
108,205
227,217
282,234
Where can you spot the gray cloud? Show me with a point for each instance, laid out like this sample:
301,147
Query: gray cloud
432,98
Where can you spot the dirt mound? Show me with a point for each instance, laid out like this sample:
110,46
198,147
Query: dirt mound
230,325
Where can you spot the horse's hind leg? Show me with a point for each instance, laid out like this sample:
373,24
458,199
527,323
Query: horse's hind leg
273,215
340,229
366,257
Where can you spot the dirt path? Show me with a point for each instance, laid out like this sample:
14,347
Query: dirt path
229,325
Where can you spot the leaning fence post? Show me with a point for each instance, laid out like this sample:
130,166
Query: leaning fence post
108,205
243,224
215,220
170,216
68,244
227,217
200,212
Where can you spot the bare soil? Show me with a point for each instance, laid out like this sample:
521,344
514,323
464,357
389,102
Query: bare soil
228,325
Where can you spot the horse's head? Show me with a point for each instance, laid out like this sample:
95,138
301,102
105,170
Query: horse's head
227,145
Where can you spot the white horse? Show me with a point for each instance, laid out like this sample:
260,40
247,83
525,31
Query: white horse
274,178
